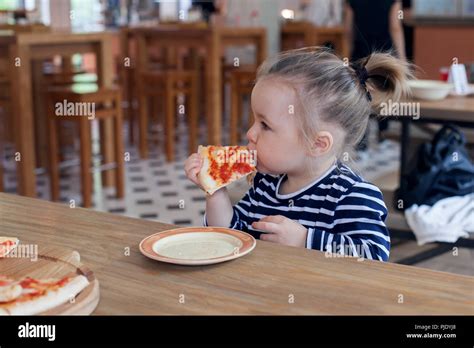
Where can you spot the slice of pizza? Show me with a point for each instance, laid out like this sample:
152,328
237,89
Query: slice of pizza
33,296
7,244
223,165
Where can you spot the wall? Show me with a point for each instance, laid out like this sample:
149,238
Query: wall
436,46
60,14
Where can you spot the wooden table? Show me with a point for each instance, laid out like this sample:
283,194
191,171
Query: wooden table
308,34
273,279
23,49
26,28
213,40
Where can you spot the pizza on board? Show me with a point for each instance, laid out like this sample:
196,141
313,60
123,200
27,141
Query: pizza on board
7,244
223,165
31,296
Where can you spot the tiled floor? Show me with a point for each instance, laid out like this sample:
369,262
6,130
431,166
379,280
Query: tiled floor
159,191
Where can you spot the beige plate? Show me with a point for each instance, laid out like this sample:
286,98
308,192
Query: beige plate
197,245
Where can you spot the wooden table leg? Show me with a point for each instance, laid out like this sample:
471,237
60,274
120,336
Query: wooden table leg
142,65
119,151
214,98
39,117
126,79
86,161
105,73
53,166
170,105
20,68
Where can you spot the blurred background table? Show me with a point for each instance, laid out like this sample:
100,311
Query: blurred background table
23,49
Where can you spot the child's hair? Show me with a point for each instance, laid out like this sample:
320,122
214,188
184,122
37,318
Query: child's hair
334,91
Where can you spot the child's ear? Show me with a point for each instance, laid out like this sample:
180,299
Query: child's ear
322,143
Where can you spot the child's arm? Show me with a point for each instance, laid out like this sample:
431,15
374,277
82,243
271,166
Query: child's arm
239,213
358,228
219,209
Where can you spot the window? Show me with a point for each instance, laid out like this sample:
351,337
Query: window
87,15
11,4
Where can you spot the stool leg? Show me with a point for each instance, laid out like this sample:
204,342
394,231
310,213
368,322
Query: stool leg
193,114
1,178
86,156
1,162
234,111
170,106
240,103
130,110
119,152
143,123
53,152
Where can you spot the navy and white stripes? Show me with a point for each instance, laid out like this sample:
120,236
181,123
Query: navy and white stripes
343,214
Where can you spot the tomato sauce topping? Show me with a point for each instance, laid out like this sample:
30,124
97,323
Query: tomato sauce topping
222,172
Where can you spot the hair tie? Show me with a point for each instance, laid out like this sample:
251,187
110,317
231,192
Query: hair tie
362,75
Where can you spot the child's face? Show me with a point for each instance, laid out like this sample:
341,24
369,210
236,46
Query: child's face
275,133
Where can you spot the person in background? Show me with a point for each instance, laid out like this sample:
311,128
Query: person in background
210,8
374,26
408,29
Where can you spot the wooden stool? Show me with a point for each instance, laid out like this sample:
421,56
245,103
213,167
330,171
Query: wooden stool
6,128
241,82
168,84
2,137
107,102
3,106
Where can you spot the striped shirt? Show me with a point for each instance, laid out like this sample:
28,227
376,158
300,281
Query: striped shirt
343,213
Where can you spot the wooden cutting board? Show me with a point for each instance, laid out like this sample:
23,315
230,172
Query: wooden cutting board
53,262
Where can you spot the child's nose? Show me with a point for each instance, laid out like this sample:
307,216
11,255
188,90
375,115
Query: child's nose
251,135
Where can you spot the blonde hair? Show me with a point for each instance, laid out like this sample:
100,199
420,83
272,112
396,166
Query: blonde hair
329,89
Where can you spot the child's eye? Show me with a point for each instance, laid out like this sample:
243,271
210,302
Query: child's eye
265,126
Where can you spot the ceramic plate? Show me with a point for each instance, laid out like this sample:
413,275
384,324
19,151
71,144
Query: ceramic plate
197,245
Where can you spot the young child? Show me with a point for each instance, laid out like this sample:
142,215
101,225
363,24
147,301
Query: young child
310,109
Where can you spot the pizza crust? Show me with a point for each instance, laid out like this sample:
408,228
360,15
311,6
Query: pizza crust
10,292
51,299
5,250
208,184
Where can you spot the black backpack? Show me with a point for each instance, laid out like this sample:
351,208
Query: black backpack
442,169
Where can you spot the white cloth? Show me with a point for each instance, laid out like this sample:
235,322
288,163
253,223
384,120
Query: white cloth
445,221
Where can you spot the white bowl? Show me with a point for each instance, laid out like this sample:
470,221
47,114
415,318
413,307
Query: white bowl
430,89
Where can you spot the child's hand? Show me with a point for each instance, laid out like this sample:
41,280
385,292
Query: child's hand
282,230
192,166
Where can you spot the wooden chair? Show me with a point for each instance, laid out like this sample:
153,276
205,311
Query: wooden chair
168,84
241,82
107,103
